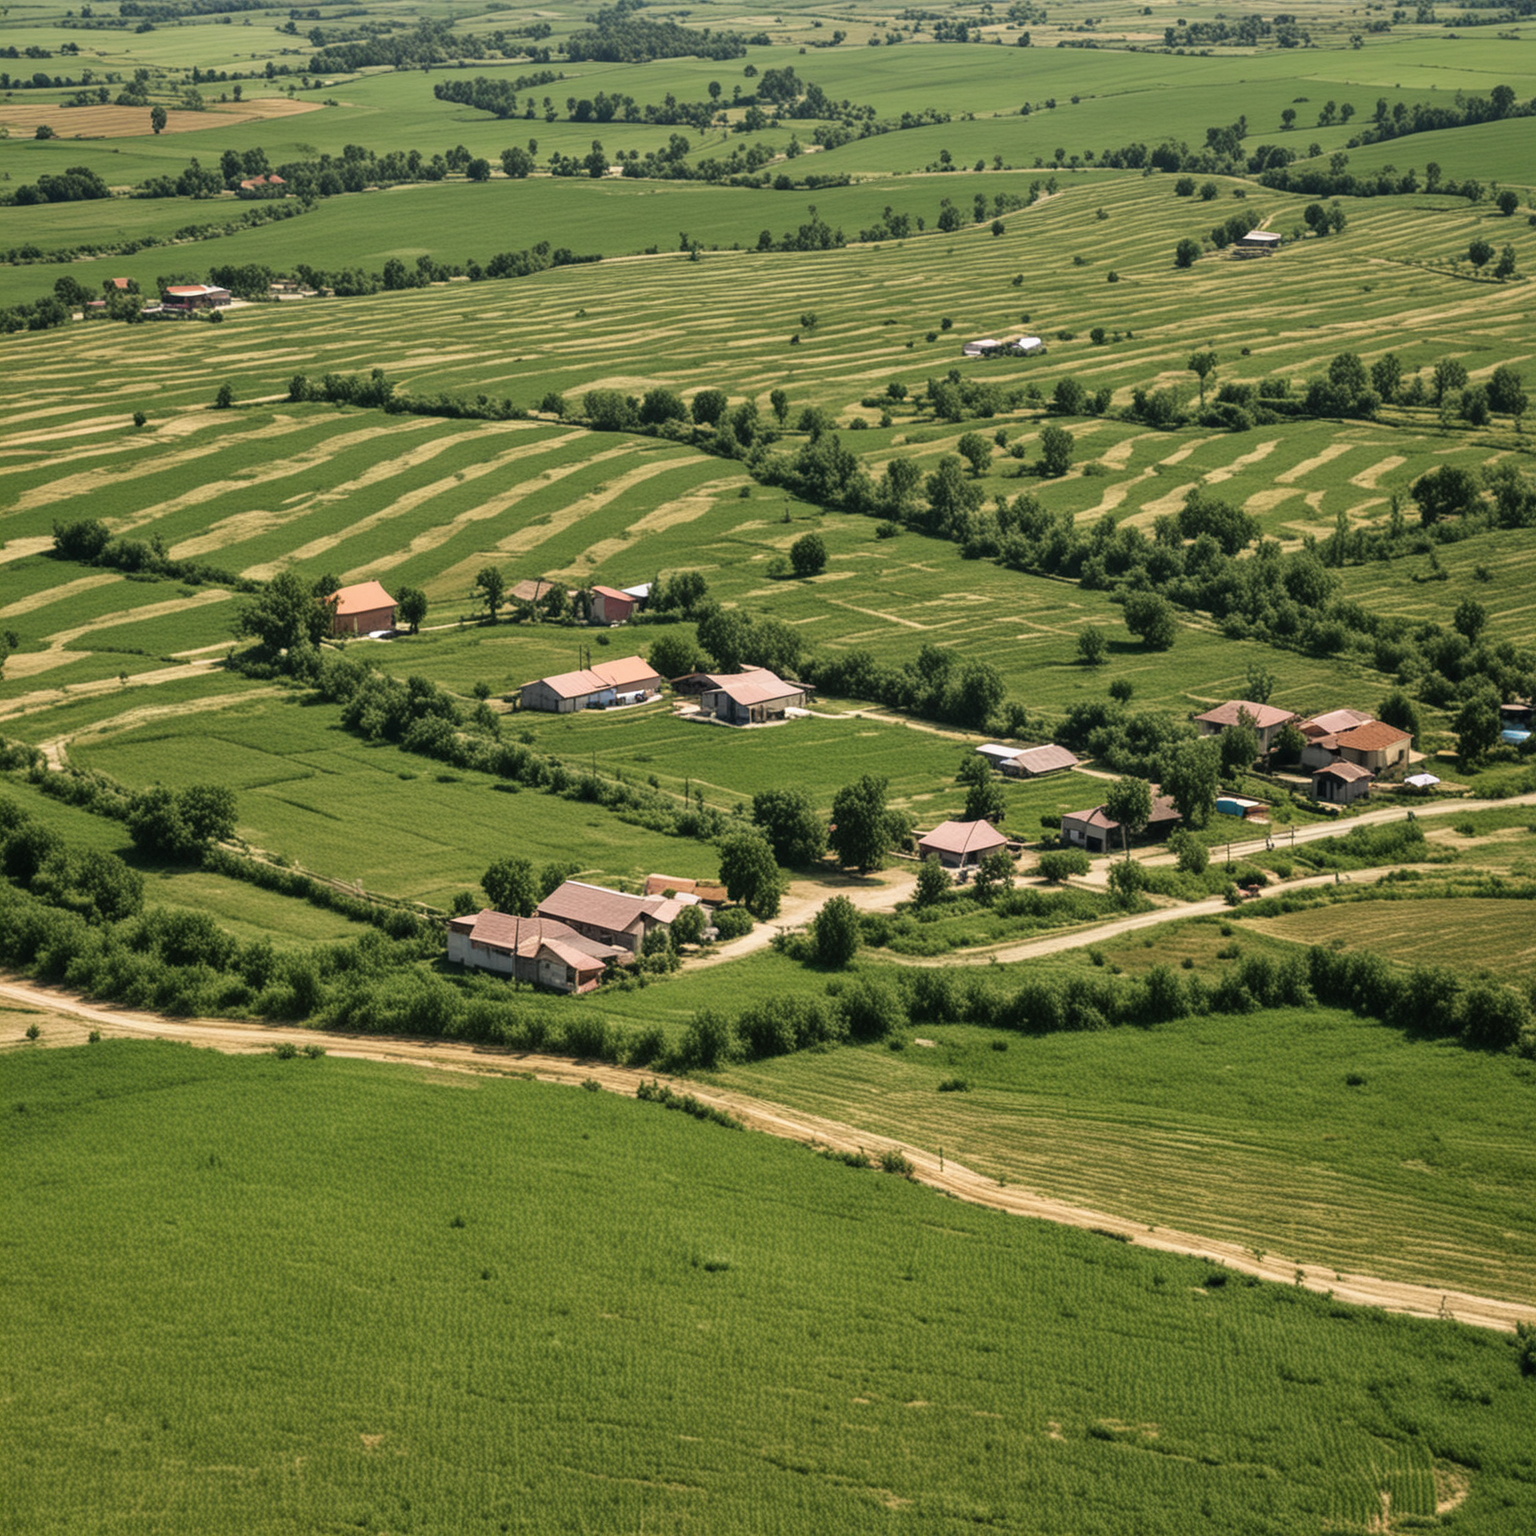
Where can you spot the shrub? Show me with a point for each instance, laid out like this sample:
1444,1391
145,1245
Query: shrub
893,1162
955,1085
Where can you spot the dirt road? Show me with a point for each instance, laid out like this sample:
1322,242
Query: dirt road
940,1173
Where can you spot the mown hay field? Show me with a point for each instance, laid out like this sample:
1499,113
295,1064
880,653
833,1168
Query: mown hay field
684,1353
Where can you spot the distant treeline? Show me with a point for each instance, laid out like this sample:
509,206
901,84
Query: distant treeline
618,35
429,42
498,97
89,542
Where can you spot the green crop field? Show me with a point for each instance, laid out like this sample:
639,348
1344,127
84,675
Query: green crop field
413,1321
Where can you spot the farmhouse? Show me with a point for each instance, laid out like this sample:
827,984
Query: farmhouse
361,609
1376,746
1267,720
629,680
750,698
960,844
1095,832
1032,762
1322,733
189,296
1340,783
536,949
1257,242
611,917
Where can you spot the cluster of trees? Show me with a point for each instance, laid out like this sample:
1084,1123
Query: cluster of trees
1399,119
618,35
78,183
496,96
429,42
99,886
89,541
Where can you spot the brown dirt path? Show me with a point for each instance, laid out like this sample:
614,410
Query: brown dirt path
940,1173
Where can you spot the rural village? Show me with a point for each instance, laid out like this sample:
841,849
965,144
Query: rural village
768,774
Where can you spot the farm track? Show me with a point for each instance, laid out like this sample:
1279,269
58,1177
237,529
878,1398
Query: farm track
942,1174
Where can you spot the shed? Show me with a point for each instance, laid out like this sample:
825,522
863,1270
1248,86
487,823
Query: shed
1034,761
1242,807
960,844
628,680
1095,832
610,606
998,755
361,609
1341,783
1024,346
1258,242
195,296
750,698
989,347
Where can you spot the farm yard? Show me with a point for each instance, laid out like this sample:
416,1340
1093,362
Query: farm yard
630,361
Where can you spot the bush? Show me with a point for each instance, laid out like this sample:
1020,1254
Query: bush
733,922
1058,866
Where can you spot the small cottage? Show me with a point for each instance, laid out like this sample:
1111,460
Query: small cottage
750,698
1097,833
363,609
960,845
1267,720
1341,783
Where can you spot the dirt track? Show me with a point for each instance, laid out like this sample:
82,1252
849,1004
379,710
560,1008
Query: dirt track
946,1175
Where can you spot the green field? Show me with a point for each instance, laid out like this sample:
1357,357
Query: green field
692,1352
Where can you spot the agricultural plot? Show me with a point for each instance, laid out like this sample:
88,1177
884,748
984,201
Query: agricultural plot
699,1363
1245,1126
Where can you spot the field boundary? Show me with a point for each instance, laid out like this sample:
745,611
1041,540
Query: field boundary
933,1169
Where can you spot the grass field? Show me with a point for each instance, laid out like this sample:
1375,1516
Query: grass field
1241,1126
730,1335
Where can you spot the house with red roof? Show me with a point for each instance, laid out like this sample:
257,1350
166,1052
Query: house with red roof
533,949
612,917
629,680
960,845
1267,720
361,609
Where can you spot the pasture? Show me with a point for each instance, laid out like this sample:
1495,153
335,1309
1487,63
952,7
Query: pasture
688,1352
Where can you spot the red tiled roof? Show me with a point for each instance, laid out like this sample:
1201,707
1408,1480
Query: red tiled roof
1262,715
627,671
365,597
1333,722
961,837
615,596
525,936
1375,737
598,907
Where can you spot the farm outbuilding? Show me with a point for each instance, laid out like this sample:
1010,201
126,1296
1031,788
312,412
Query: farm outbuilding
535,949
1341,783
1032,762
750,698
1258,242
195,296
629,680
610,606
960,844
997,755
361,609
1097,833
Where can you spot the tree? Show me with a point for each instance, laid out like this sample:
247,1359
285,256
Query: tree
225,397
208,812
932,882
1091,647
412,603
158,119
725,634
1192,854
1129,802
510,885
674,655
1505,266
1449,374
835,932
1449,491
1470,618
808,555
1186,253
285,613
1477,726
1399,710
689,925
1126,880
1239,744
517,162
1289,743
1506,392
1190,774
1055,450
1387,376
778,403
478,169
750,873
1507,201
1060,864
795,829
1261,682
1480,252
489,587
985,801
709,406
1151,619
1203,366
861,833
975,450
994,873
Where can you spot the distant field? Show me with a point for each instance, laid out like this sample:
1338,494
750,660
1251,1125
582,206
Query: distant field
726,1334
1465,934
